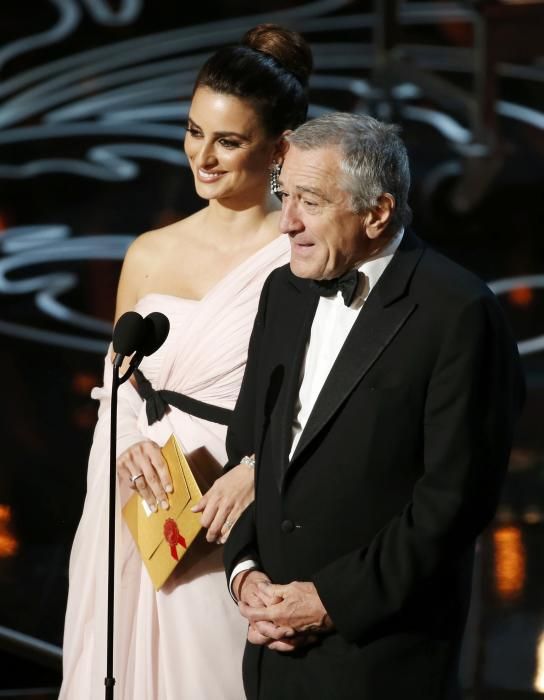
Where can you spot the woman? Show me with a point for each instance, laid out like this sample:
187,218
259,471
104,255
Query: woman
205,273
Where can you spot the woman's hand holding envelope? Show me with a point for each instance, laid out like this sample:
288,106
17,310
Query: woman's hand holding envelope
143,466
225,501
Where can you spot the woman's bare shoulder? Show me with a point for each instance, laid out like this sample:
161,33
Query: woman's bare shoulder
158,242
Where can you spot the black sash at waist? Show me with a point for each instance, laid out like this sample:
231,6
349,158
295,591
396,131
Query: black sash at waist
157,402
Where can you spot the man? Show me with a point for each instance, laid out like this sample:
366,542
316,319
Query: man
381,424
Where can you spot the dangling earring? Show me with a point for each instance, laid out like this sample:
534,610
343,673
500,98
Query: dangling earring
274,175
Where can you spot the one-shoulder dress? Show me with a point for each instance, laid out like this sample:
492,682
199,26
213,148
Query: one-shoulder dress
185,641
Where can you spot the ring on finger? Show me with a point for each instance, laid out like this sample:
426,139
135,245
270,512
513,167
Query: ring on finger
228,524
135,476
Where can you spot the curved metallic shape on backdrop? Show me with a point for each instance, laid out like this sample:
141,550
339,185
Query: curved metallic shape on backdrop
29,246
69,18
130,85
525,347
102,13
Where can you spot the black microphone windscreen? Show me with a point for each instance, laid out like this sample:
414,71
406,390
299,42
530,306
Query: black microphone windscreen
129,333
157,329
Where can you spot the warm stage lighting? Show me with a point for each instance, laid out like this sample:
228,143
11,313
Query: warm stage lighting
509,565
521,296
538,682
8,543
83,382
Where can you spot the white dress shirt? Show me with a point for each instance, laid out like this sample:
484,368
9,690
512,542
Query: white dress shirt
332,323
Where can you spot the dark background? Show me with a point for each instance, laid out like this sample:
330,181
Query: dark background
92,102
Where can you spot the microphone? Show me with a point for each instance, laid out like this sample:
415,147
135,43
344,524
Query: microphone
129,334
157,327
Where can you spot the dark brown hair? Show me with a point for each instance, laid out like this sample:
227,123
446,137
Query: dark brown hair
270,69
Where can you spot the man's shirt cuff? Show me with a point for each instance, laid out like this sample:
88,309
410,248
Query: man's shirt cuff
243,565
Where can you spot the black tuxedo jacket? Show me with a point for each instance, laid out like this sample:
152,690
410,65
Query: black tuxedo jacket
397,471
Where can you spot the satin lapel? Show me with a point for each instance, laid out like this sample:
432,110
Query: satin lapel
301,303
385,312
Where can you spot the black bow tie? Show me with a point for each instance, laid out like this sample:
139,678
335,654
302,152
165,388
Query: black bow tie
347,284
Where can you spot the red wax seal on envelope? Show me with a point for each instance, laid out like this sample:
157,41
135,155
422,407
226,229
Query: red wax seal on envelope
173,537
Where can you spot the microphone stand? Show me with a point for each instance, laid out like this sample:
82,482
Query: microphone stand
109,680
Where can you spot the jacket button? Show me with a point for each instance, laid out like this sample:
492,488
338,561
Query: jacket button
287,526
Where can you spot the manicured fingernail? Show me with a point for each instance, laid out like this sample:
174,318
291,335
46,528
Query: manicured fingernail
193,509
168,488
153,507
165,505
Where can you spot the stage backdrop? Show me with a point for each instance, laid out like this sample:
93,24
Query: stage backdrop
93,100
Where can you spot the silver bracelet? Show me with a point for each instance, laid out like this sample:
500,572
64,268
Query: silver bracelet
250,461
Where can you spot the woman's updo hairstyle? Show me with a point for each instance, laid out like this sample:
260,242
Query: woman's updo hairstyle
270,69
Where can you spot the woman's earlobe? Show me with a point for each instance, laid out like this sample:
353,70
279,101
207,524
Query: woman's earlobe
282,146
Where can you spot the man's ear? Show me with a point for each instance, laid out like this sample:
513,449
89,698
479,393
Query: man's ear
377,219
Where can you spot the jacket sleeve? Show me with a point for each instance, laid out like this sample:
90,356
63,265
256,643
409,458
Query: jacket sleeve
242,440
474,395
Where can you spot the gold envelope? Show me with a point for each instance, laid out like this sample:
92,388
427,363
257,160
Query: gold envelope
163,537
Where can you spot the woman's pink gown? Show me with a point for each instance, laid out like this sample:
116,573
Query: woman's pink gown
184,642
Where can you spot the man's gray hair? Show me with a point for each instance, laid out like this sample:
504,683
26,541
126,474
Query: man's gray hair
374,158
